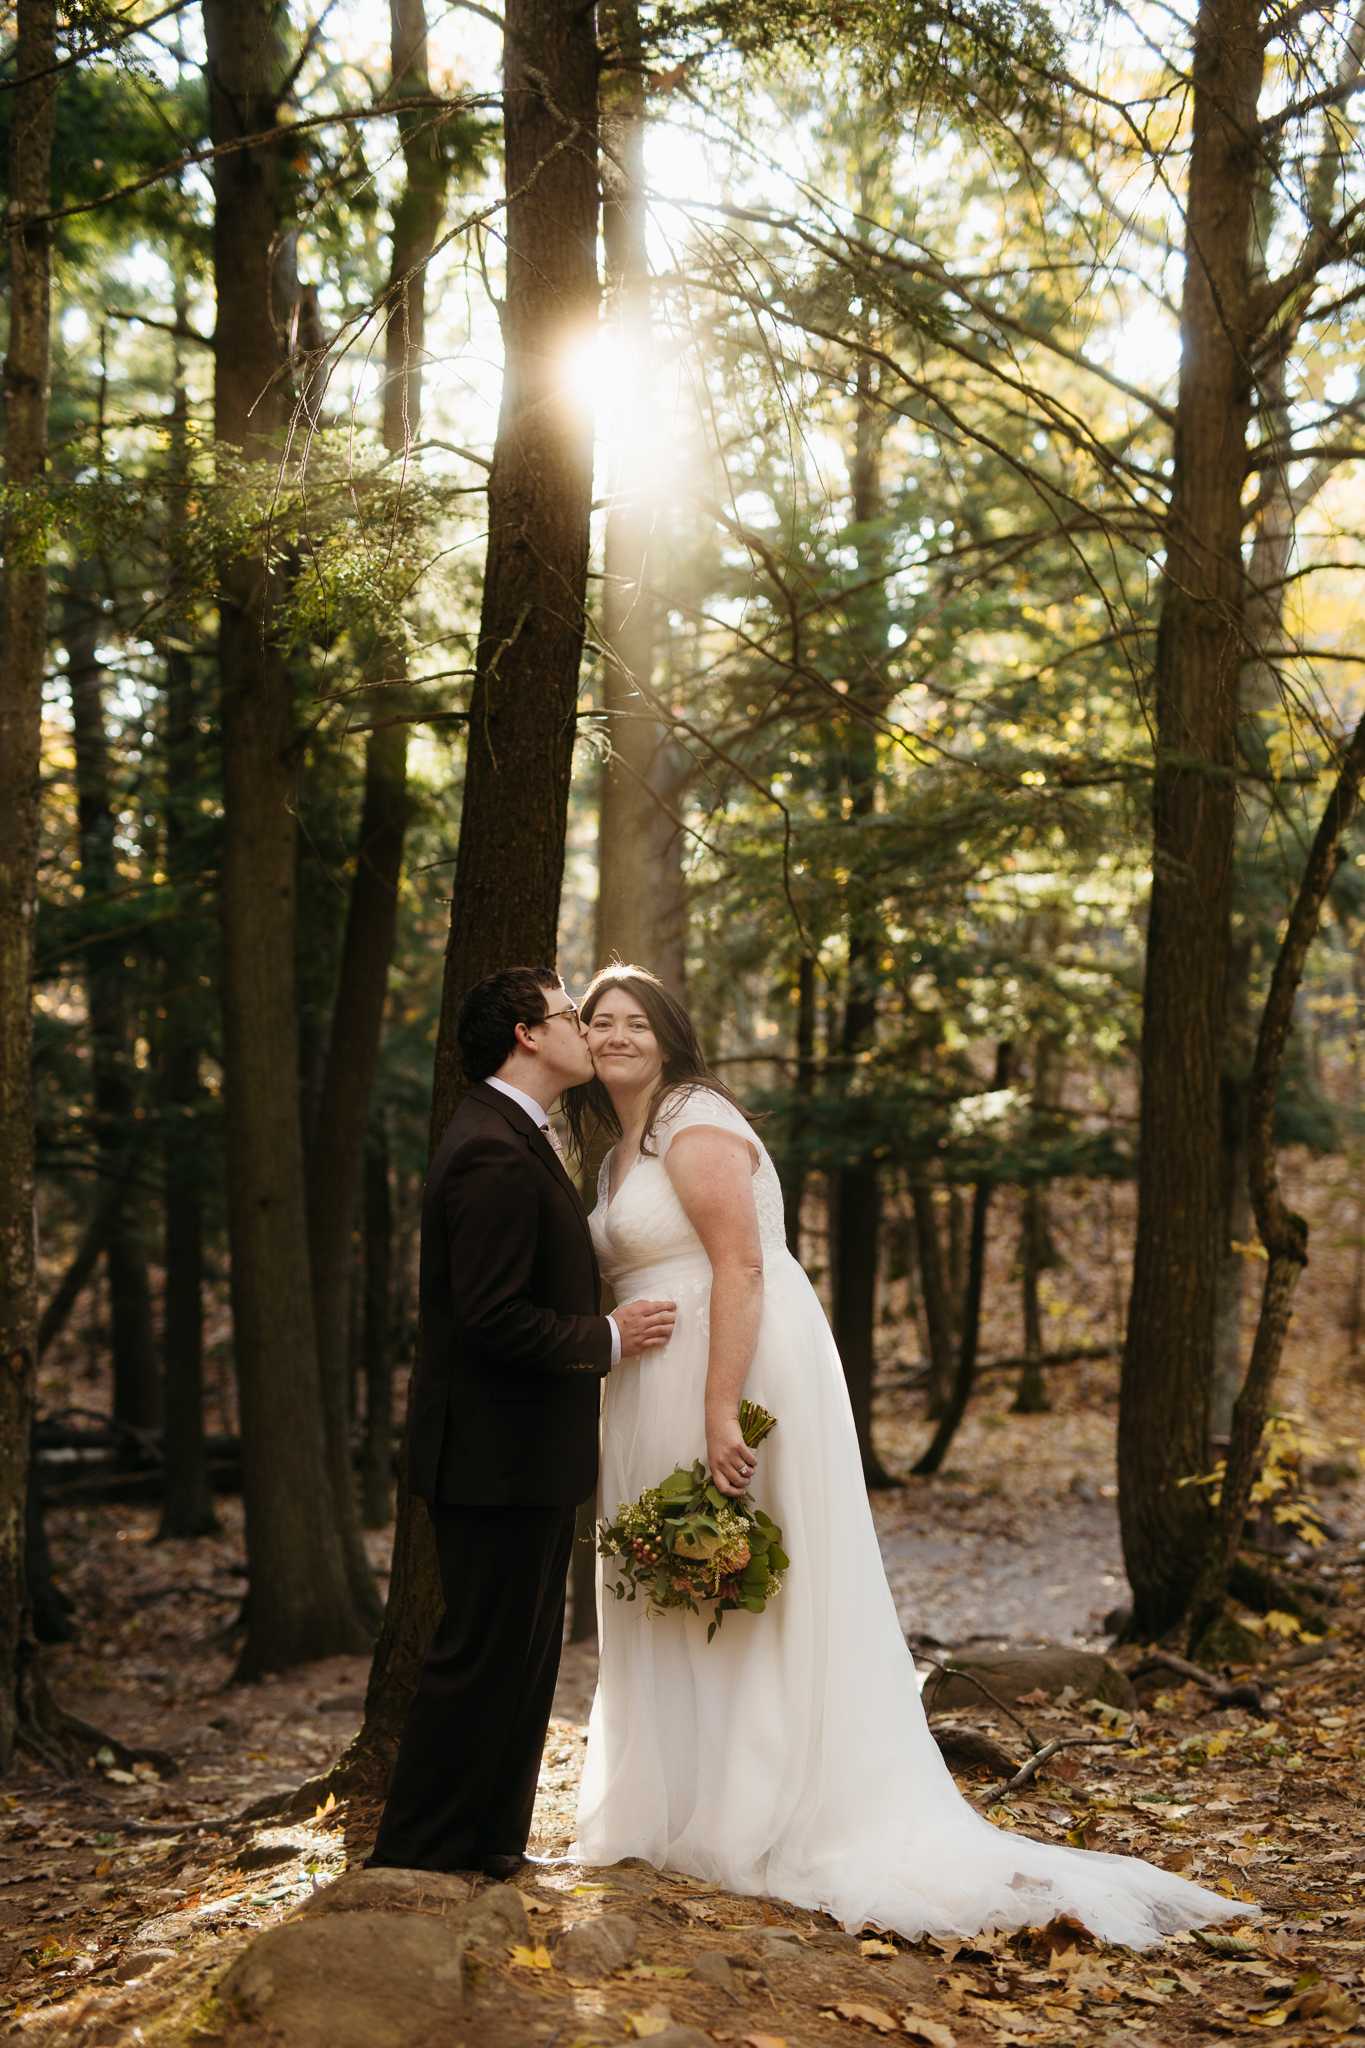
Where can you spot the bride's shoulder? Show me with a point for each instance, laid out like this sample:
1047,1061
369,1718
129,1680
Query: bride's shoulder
693,1104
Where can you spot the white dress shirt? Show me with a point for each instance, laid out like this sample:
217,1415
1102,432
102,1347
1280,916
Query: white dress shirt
540,1117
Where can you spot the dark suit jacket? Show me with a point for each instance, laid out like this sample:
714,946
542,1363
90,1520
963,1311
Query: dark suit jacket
514,1346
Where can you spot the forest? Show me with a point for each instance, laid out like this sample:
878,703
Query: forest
858,508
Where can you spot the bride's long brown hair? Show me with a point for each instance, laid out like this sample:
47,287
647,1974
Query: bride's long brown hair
684,1061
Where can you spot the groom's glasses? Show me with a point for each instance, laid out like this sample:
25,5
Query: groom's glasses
569,1010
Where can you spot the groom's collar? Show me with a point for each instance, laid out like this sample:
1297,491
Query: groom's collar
539,1117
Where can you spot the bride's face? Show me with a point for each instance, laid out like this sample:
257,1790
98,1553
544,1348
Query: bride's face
625,1053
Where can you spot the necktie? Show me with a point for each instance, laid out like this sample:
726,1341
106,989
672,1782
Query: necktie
548,1131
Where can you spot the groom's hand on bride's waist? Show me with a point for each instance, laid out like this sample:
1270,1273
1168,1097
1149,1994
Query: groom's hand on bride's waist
644,1325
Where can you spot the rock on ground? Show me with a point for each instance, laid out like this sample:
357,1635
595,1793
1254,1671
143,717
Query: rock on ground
594,1948
1011,1674
358,1980
376,1960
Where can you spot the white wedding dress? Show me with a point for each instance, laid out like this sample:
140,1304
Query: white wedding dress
790,1757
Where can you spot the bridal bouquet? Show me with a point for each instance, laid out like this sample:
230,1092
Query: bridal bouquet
684,1540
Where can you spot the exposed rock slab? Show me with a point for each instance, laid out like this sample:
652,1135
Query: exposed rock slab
376,1960
354,1980
1010,1674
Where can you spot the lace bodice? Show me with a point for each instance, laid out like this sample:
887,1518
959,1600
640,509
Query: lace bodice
646,1224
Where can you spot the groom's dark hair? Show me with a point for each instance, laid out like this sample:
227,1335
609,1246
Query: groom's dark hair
486,1027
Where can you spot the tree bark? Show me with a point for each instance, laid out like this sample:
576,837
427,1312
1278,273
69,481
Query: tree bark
640,913
794,1161
301,1605
1035,1245
1284,1235
1268,570
22,654
938,1315
855,1193
1031,1398
1168,1359
358,1013
947,1429
111,1007
510,859
188,1506
376,1493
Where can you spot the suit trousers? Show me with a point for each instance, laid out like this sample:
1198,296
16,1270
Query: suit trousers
464,1784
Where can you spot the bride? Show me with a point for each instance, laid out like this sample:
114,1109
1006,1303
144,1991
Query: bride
790,1757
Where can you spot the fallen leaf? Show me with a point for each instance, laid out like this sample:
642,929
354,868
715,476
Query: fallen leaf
655,2019
531,1958
1337,2011
762,2041
877,1948
120,1777
1224,1944
1144,1995
934,2032
869,2015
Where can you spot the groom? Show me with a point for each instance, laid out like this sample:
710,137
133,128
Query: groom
503,1436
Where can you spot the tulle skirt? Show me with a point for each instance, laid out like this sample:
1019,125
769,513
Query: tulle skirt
790,1756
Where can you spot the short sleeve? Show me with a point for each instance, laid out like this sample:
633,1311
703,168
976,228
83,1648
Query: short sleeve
701,1106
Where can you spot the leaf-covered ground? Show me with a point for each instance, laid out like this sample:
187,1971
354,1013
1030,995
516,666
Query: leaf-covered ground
122,1902
125,1896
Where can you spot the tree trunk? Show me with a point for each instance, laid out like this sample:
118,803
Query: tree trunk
1168,1358
25,1704
855,1192
938,1318
794,1161
971,1323
377,1343
638,907
510,859
358,1013
1031,1398
111,1007
1268,570
301,1605
1035,1244
1284,1235
947,1429
521,727
188,1506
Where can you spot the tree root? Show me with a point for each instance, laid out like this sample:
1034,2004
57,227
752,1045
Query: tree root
62,1741
1228,1693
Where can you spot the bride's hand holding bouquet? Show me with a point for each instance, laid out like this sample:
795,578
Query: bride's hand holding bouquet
686,1539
